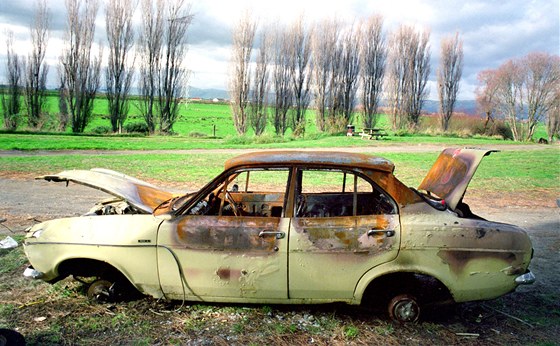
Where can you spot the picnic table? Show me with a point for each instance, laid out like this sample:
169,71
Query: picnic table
371,133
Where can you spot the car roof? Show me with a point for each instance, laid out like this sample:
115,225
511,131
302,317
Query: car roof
311,158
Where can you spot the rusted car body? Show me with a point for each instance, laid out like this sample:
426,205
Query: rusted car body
290,227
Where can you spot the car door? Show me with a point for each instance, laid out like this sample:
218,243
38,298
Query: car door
231,244
343,225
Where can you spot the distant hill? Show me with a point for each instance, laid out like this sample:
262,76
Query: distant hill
463,106
207,94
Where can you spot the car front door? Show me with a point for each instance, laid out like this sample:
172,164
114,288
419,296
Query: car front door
343,225
230,243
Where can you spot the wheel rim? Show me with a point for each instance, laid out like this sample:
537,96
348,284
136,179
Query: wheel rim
404,309
100,291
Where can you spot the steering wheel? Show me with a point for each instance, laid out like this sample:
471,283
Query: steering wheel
231,201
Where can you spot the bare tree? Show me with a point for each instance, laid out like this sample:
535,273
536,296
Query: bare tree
150,48
173,77
81,72
541,79
449,75
486,95
408,75
553,117
11,97
336,87
119,71
37,69
349,70
526,91
261,85
323,43
283,92
420,71
373,57
63,113
240,74
398,78
299,56
509,95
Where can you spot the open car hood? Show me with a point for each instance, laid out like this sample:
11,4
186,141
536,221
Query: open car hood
452,172
140,194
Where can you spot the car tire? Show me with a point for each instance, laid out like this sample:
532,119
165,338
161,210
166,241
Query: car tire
9,337
404,308
100,291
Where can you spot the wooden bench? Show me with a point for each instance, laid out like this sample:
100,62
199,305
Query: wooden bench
371,133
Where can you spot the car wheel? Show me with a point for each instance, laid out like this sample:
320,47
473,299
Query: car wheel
404,308
100,291
10,337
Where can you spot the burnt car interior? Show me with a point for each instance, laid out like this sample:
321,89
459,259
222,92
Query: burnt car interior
256,192
319,193
340,193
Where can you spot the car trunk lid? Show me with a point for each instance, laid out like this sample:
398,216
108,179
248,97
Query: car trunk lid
452,172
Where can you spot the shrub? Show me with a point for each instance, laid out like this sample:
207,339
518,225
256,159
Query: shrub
195,134
502,130
136,127
101,130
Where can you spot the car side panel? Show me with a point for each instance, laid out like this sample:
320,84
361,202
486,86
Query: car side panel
126,242
474,259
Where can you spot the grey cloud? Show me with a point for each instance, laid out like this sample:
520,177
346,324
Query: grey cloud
492,31
206,29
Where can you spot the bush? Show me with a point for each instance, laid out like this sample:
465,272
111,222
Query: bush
195,134
136,127
495,129
101,130
265,138
501,129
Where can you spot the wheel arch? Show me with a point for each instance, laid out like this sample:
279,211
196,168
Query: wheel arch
377,286
88,267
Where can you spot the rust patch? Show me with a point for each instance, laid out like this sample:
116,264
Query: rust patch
382,222
228,274
451,173
350,160
152,197
227,233
345,234
394,187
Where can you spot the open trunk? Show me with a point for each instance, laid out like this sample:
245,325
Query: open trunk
451,174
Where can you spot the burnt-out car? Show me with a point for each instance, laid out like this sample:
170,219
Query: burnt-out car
289,227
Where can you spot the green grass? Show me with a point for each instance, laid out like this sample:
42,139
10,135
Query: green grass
209,125
503,171
11,259
17,141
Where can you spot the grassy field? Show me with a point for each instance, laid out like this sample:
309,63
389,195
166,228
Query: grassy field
509,171
210,125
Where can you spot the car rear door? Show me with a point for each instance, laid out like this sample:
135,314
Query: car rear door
343,225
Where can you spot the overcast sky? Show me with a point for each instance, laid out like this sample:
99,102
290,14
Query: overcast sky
493,31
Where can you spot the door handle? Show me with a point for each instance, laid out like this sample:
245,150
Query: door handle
378,232
277,235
